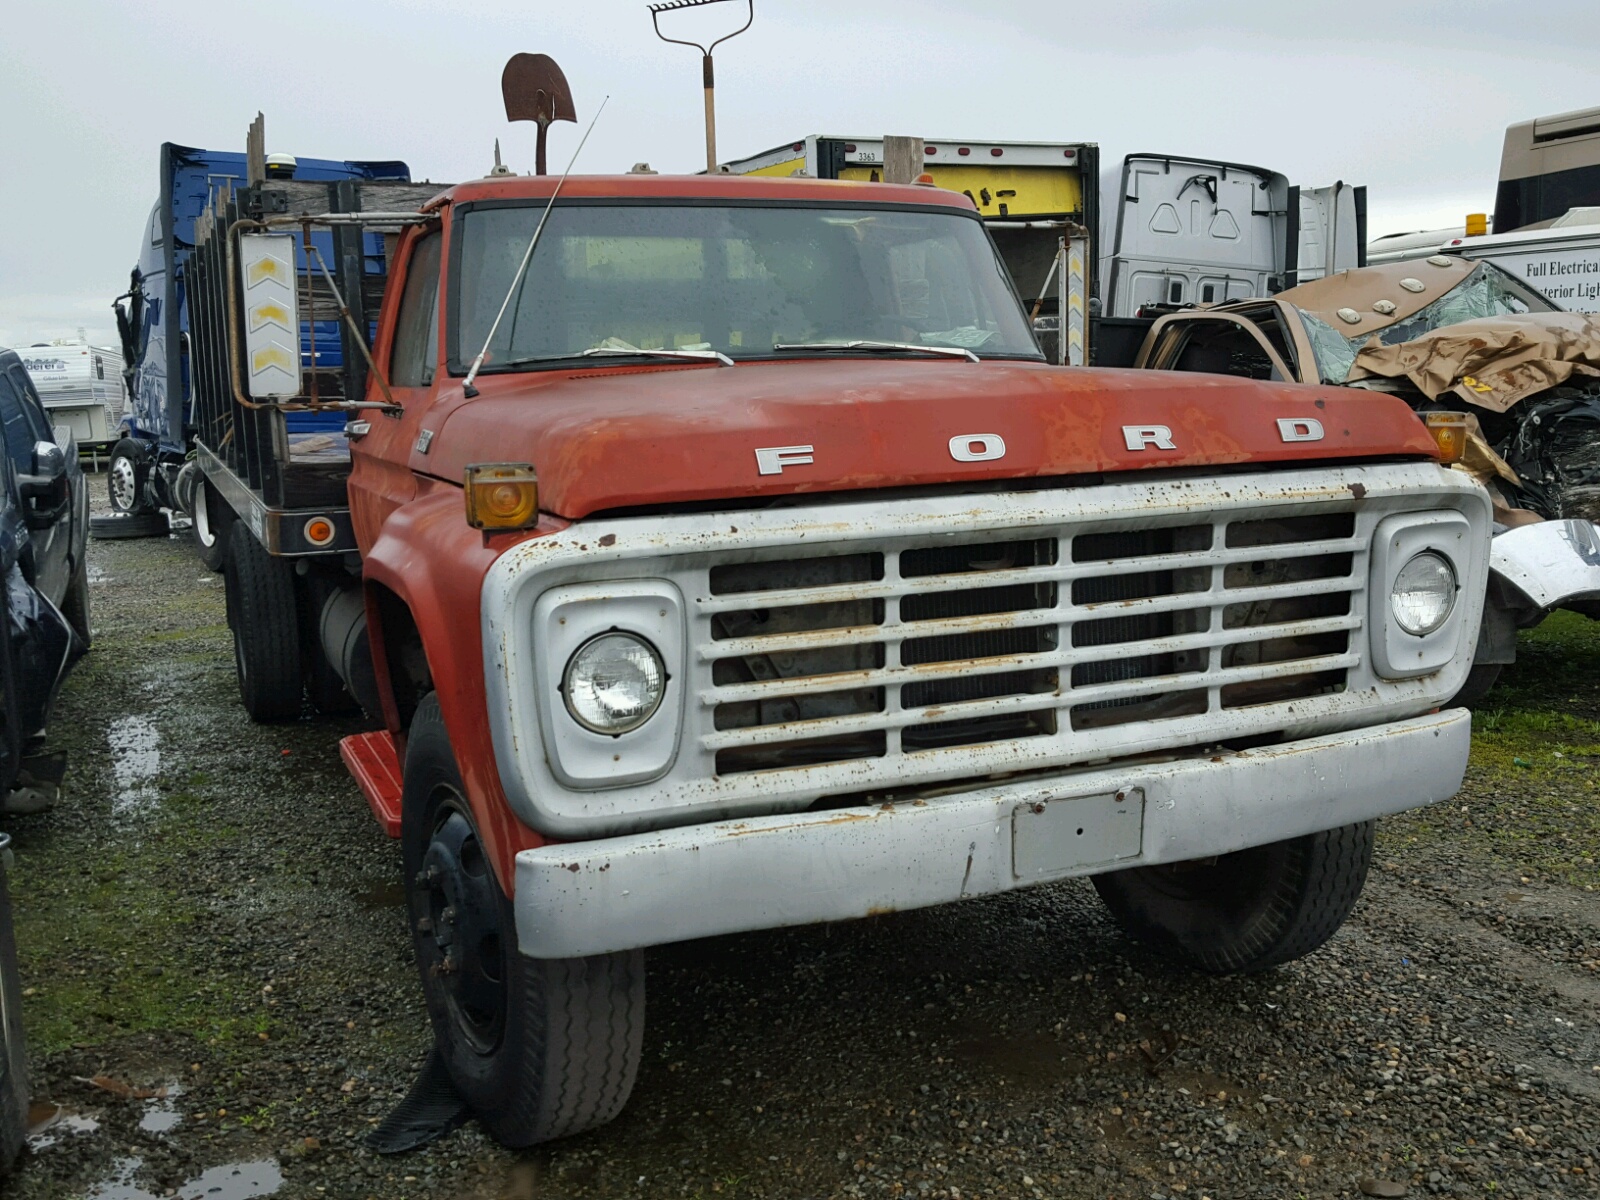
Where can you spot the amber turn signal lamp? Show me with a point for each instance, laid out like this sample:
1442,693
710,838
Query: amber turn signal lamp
1449,433
502,496
320,532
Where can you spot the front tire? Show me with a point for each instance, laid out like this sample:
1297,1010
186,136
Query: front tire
540,1048
265,620
126,473
1246,911
75,604
1480,681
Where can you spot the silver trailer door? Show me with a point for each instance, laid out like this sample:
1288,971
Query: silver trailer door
1192,231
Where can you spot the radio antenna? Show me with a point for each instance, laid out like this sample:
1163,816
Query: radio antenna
705,58
467,387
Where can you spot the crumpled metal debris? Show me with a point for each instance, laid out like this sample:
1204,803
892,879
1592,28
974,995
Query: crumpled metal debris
1492,362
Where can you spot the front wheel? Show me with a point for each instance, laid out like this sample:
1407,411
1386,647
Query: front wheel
1245,911
540,1048
125,477
1480,680
75,604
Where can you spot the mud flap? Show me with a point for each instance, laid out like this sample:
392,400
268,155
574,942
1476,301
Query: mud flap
431,1109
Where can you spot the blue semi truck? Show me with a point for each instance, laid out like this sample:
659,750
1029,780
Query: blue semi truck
152,468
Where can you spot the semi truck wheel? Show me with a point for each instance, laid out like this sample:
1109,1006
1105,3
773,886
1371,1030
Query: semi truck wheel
540,1048
125,477
213,526
266,628
1245,911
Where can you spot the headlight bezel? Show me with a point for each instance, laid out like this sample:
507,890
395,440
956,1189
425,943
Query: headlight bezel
590,645
1399,539
563,620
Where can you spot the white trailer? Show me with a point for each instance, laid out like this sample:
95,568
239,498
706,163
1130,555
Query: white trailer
81,386
1560,261
1178,230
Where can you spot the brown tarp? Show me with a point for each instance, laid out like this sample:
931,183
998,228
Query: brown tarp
1492,362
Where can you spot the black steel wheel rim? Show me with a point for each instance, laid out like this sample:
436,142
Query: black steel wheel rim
461,937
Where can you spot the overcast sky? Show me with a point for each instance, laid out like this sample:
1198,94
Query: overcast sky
1410,97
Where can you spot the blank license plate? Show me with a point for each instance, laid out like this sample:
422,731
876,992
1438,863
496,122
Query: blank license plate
1060,837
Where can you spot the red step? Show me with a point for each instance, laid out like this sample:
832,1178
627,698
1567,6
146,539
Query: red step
374,762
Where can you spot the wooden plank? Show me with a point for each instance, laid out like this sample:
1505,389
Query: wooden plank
255,151
307,198
902,159
317,297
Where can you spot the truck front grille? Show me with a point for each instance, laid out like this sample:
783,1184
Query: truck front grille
994,641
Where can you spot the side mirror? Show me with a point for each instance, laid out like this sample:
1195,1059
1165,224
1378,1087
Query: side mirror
48,460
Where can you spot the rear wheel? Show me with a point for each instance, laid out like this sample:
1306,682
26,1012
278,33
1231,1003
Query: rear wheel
213,525
1245,911
266,628
540,1048
125,477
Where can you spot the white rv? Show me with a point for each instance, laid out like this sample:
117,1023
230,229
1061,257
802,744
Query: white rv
81,386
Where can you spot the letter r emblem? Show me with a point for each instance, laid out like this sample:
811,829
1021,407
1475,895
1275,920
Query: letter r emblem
1143,437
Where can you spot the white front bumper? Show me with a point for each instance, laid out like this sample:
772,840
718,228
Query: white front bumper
647,889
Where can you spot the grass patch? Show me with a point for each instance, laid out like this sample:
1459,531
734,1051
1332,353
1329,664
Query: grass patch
1532,797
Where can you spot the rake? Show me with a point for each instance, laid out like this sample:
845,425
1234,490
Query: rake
705,56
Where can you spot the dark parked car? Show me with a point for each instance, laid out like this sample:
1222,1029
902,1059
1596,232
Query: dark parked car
44,628
44,521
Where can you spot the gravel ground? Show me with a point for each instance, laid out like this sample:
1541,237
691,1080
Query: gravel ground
213,912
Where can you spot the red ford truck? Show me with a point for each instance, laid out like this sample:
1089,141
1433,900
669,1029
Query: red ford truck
765,574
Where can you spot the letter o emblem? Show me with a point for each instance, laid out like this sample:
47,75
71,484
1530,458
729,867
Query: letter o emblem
977,447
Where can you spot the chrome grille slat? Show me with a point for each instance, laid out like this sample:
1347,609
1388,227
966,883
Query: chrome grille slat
1061,573
888,633
894,631
1127,690
817,684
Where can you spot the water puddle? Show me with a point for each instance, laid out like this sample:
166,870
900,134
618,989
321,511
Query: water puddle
161,1114
135,746
50,1124
382,895
233,1181
98,574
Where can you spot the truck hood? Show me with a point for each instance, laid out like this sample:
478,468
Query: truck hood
632,437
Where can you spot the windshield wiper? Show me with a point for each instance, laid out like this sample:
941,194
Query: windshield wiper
913,347
634,352
533,360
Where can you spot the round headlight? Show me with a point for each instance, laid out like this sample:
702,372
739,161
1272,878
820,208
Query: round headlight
614,683
1424,593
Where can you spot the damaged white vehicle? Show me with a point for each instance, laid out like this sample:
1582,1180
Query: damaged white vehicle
1438,332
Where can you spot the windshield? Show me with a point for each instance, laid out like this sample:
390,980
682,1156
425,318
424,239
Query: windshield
1486,291
737,279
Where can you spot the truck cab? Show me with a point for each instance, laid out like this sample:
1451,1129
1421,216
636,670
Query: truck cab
727,557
